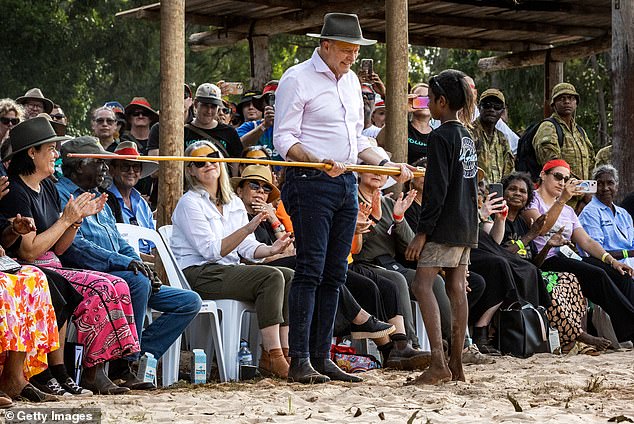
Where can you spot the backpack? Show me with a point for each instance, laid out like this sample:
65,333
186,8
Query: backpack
526,158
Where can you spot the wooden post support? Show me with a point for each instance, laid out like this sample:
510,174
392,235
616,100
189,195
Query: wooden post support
623,93
171,117
553,75
260,64
396,32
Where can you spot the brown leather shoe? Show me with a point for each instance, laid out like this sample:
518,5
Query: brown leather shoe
285,352
272,363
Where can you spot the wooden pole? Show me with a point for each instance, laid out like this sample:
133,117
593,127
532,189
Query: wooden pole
171,117
260,63
396,36
553,75
623,93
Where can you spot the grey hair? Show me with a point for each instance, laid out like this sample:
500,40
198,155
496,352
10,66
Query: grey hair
606,169
225,192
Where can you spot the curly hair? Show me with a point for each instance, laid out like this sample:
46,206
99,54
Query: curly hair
521,176
9,105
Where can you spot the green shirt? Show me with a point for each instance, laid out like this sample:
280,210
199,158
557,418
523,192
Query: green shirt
494,152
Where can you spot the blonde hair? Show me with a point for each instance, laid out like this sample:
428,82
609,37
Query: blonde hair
9,105
225,193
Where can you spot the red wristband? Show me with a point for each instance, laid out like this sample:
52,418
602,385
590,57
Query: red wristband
397,217
276,224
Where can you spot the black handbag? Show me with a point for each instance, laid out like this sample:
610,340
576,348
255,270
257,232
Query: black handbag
522,329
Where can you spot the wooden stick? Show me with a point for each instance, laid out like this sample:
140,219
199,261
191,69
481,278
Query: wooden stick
374,169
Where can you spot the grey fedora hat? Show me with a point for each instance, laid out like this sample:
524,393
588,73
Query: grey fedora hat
342,27
31,133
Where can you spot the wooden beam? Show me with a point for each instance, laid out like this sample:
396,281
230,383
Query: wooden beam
260,63
538,57
623,93
171,117
506,25
397,76
571,8
473,43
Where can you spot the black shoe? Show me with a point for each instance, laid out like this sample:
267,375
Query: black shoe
488,349
301,371
52,387
33,394
371,329
481,339
328,368
75,389
404,357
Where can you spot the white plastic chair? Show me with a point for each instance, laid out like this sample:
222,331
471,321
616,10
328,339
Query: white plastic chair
232,312
421,333
171,358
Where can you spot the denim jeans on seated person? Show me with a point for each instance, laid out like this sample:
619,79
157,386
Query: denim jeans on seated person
179,307
324,212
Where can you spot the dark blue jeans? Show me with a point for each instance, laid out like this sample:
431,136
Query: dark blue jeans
324,213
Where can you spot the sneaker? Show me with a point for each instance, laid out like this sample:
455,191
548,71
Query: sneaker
472,355
75,389
52,387
371,329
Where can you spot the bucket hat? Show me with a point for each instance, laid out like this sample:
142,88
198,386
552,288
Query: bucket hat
36,94
257,173
31,133
129,148
141,103
342,27
564,88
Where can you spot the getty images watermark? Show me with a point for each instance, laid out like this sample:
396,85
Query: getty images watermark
52,416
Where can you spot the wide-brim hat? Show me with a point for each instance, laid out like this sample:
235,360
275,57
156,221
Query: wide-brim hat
141,103
129,148
36,94
60,129
261,101
564,88
342,27
31,133
246,98
257,173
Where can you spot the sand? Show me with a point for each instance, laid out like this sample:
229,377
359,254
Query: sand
547,388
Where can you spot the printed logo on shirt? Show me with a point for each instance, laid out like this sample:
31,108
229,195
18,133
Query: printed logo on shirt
469,158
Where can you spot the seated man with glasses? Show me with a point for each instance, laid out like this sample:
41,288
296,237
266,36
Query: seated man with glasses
134,209
494,152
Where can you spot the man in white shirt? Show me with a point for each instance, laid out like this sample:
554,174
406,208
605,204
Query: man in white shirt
319,119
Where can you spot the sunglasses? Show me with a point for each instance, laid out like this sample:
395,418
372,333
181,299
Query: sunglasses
559,176
12,121
255,187
108,121
214,155
138,113
136,167
225,110
58,116
495,106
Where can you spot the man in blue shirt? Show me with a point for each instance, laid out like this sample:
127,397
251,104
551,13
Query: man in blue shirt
259,116
100,247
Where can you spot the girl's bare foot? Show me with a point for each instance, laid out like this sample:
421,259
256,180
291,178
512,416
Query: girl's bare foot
431,376
599,342
455,366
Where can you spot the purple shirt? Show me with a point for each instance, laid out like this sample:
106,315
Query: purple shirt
567,219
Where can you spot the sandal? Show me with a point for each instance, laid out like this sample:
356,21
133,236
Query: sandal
581,348
32,394
5,401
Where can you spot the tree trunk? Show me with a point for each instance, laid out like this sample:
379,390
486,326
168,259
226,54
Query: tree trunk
623,93
553,75
260,63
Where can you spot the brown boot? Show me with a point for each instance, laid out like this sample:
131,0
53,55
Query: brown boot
272,363
285,352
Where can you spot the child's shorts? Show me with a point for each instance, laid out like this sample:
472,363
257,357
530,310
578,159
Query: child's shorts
443,255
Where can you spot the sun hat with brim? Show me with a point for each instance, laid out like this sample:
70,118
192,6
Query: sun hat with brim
261,101
564,88
141,103
257,173
246,98
493,92
36,94
129,148
60,129
85,144
342,27
31,133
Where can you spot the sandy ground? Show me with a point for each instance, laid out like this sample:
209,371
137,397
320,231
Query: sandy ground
547,388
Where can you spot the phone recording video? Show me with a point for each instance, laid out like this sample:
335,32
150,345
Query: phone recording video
497,189
420,102
367,67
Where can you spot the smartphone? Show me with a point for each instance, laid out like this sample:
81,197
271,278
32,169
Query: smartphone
497,189
420,102
587,186
234,88
270,100
367,67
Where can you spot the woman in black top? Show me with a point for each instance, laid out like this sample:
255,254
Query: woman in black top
418,128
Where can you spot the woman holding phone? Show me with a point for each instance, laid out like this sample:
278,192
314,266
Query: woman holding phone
418,127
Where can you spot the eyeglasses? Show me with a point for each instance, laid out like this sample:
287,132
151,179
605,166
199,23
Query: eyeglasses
490,105
127,167
559,176
139,112
12,121
35,105
255,187
108,121
58,116
225,110
214,155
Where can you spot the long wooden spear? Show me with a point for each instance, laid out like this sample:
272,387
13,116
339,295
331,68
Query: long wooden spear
374,169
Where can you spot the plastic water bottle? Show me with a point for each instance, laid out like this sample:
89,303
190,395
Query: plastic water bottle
244,357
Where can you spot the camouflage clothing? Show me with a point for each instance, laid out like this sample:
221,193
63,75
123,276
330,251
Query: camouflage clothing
576,149
604,157
494,153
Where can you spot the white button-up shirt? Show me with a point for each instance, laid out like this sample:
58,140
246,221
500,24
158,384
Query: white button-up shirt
199,229
322,113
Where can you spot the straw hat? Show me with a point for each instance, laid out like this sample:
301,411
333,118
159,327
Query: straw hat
257,173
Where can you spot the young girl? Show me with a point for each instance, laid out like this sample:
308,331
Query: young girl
448,223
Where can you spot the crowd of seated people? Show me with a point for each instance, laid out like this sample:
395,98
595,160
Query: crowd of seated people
233,238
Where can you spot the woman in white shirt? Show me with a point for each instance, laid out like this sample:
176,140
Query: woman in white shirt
211,234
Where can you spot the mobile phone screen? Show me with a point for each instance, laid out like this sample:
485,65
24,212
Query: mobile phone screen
420,102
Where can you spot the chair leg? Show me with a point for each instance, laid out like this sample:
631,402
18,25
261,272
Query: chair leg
421,333
171,362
